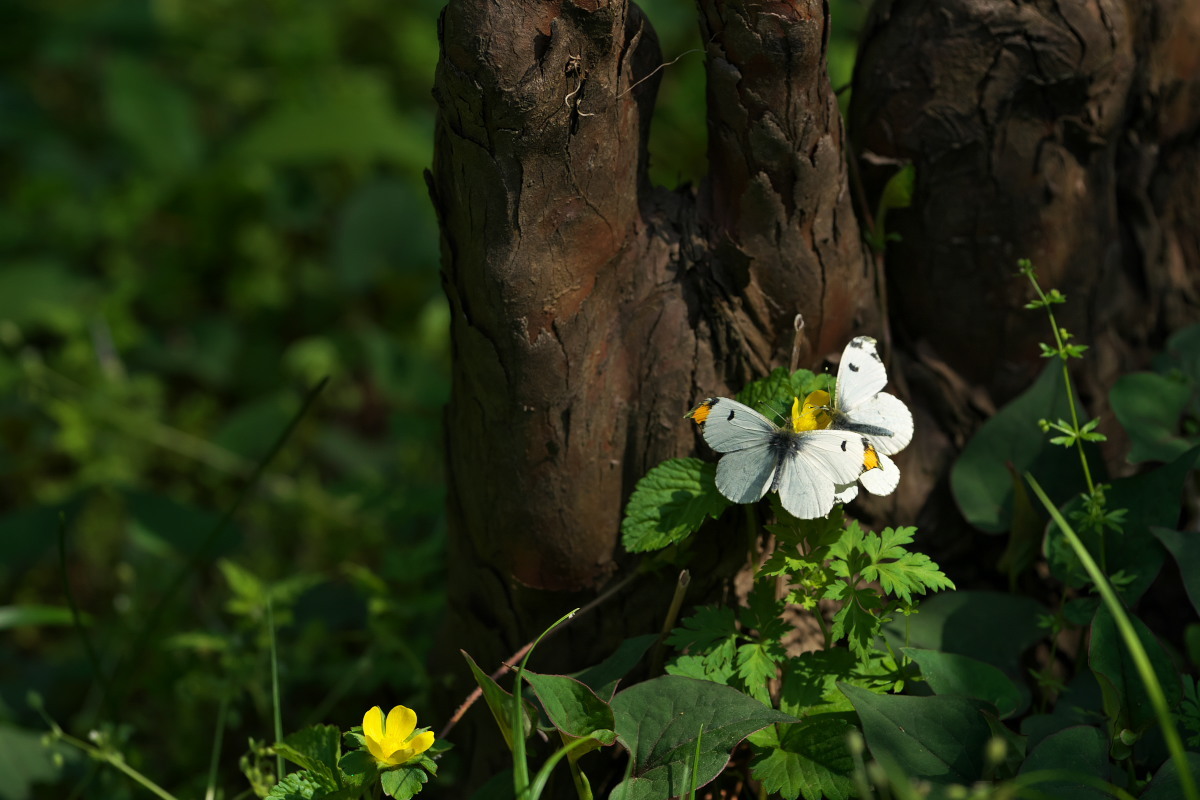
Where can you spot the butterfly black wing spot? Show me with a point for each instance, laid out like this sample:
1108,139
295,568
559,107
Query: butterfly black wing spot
730,417
853,367
843,445
856,343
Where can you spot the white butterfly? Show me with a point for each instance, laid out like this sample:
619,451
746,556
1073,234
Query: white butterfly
861,406
802,464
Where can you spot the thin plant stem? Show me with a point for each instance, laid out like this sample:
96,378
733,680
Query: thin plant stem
1145,671
218,737
278,710
105,755
521,786
681,584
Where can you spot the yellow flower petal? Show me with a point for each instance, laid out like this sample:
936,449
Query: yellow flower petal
401,721
420,743
373,724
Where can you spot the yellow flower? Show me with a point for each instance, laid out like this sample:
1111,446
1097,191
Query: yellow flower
392,742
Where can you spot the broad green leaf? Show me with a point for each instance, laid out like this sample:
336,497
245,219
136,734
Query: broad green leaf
31,616
316,749
1149,407
36,293
344,115
1152,499
659,721
1082,703
940,739
1181,354
953,674
603,677
379,234
1126,701
25,761
404,782
811,760
670,503
1185,547
980,478
1166,784
572,707
898,191
150,112
992,627
1081,749
501,702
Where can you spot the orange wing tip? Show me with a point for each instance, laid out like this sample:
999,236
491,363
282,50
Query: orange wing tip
700,413
870,457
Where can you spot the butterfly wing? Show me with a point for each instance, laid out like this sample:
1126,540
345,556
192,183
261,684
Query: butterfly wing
861,375
883,412
813,470
883,478
745,475
728,425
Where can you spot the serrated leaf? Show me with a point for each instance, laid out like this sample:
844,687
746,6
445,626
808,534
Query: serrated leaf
404,782
940,739
772,396
757,665
953,674
670,503
296,786
316,749
810,681
811,760
705,629
659,721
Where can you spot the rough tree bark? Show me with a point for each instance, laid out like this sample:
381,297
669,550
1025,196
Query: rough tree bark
591,309
1067,133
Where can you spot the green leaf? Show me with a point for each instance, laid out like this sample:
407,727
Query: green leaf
1153,499
1166,784
953,674
297,786
1126,701
670,503
659,722
811,760
898,191
992,627
604,677
940,739
1185,547
899,572
501,702
404,782
25,761
810,681
1082,749
1149,407
32,616
980,478
343,115
773,395
572,707
316,749
154,117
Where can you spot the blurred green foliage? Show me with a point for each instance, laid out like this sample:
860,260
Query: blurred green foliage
209,207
